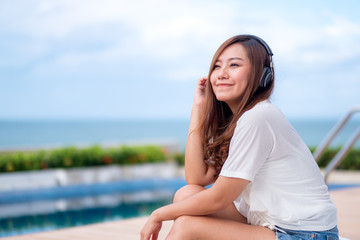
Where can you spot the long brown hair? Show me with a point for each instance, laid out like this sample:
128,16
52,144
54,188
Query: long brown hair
218,121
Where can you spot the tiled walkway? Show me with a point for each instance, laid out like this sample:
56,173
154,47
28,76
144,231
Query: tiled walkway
348,204
347,201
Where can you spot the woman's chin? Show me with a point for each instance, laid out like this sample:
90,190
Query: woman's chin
222,99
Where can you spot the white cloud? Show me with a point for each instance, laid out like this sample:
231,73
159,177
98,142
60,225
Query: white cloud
326,44
157,26
162,29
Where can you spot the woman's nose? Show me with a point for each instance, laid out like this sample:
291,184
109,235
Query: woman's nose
223,73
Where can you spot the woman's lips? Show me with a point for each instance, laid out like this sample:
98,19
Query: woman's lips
223,85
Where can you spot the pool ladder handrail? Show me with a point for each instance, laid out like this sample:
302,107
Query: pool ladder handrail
339,157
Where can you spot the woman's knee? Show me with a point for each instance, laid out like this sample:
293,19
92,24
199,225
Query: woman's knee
183,228
187,191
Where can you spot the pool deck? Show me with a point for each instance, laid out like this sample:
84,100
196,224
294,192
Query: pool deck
347,201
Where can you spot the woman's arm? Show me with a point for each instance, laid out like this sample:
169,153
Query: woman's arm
196,170
224,191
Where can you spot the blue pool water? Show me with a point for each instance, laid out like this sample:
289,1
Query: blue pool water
31,211
63,219
338,186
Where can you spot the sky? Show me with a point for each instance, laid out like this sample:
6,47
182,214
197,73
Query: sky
115,59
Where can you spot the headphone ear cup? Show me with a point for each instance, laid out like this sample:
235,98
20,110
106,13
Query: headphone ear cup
266,77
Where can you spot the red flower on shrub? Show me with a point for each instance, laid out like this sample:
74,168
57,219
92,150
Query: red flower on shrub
107,160
44,165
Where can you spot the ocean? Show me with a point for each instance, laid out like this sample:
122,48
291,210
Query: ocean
28,134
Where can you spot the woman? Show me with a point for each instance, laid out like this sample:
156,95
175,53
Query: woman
266,184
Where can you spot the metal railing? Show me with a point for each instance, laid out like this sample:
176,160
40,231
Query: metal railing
339,157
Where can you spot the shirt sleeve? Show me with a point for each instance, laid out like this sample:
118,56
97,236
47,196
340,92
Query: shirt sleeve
249,147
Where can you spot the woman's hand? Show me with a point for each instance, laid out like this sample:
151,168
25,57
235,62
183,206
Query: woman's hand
199,96
151,228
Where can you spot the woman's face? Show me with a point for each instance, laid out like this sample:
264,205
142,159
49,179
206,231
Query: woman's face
230,75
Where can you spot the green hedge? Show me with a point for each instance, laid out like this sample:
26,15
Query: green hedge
74,157
351,161
97,156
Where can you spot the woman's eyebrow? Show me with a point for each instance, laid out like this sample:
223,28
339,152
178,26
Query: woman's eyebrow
232,58
236,58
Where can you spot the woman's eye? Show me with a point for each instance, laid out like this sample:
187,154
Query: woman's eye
216,66
234,65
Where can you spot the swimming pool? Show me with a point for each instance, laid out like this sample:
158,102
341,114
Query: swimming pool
30,211
44,210
76,217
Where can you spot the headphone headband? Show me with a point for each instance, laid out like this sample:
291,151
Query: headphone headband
267,74
262,42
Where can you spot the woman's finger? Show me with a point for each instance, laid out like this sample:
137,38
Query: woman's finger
144,236
202,81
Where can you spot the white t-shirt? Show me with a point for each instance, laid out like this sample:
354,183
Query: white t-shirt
286,188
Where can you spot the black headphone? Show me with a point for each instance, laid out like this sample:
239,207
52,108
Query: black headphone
267,74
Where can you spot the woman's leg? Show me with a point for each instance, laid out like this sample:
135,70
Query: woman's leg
206,228
225,224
